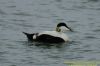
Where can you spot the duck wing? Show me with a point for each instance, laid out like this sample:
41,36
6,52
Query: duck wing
49,39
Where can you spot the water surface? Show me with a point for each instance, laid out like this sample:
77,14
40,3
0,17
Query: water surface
16,16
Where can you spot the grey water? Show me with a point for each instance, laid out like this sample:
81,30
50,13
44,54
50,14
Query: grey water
16,16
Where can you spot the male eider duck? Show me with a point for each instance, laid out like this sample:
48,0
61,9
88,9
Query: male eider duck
56,36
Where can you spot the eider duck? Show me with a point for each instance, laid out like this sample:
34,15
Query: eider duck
56,36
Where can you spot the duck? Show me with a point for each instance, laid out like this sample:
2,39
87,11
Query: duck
57,36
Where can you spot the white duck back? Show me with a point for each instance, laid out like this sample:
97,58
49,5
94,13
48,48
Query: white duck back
55,34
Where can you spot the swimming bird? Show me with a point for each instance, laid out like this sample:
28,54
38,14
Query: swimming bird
57,36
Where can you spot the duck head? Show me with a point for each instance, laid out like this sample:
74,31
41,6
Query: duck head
62,27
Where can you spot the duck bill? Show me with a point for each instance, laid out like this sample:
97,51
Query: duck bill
68,28
71,30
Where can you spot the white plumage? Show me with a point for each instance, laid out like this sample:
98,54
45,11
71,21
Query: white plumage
56,36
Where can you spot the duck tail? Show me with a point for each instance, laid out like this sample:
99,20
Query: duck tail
29,36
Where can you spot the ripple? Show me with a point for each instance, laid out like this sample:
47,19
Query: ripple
22,14
93,0
96,30
12,6
2,12
18,20
91,37
3,52
58,0
2,20
88,50
72,21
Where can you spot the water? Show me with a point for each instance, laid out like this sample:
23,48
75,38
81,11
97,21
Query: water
16,16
